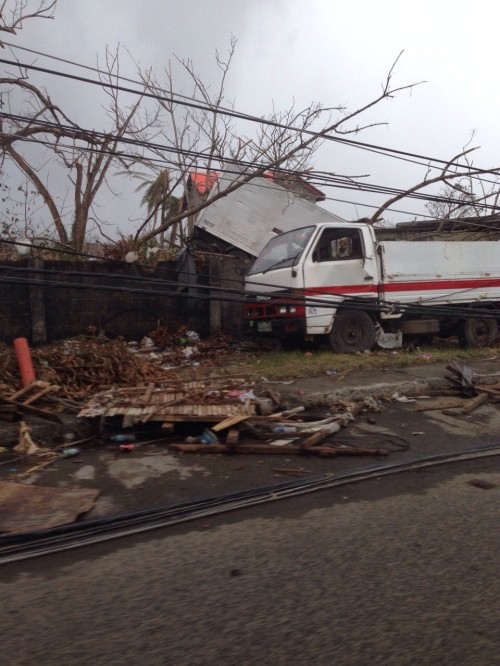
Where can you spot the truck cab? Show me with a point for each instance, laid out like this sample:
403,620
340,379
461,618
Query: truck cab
302,276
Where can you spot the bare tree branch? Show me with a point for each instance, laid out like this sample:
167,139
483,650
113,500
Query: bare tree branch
444,176
11,18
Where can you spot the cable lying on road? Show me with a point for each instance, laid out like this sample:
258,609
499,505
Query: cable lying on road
35,544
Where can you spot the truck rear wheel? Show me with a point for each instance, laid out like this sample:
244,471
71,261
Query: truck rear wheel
477,332
352,331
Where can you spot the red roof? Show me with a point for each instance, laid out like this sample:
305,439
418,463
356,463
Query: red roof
203,181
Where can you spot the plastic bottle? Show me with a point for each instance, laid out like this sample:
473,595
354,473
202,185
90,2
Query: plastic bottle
209,437
123,437
284,428
70,452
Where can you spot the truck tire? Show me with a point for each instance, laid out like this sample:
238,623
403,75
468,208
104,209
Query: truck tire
352,331
477,332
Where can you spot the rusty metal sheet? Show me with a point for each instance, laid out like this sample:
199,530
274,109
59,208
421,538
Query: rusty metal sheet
25,508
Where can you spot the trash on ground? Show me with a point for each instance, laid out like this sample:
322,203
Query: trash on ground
26,445
226,415
27,508
465,396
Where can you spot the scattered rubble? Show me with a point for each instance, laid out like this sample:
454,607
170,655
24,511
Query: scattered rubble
83,366
220,412
465,397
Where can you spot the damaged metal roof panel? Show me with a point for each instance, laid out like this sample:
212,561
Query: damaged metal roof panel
246,217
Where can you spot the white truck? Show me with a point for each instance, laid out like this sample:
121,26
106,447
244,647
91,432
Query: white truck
338,281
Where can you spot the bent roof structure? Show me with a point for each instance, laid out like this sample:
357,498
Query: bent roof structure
254,213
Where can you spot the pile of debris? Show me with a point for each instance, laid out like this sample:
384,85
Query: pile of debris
223,416
464,395
84,365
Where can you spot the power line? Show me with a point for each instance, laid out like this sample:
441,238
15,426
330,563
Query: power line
285,296
188,102
340,182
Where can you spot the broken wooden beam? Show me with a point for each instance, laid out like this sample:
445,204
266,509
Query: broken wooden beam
33,411
331,451
490,389
445,403
230,421
271,449
199,448
314,439
474,403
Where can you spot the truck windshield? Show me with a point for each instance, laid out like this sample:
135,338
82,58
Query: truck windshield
282,251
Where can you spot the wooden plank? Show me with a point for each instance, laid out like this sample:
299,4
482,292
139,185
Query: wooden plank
233,437
493,389
199,448
26,389
231,420
261,449
286,413
474,403
331,451
445,403
39,394
253,448
187,418
149,392
34,411
315,438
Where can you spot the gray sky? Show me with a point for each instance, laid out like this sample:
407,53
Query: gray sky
306,50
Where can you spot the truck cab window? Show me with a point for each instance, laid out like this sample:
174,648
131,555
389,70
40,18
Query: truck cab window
338,244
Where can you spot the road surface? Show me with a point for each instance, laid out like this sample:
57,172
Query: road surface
394,571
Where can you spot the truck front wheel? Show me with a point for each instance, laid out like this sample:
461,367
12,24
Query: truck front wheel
352,331
477,332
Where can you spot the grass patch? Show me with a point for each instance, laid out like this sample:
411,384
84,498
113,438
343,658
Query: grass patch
292,364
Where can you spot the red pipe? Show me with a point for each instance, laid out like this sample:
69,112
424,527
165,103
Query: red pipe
24,361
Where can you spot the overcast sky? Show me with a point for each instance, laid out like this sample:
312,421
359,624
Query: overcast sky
309,50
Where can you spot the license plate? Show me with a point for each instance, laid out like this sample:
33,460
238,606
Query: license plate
264,326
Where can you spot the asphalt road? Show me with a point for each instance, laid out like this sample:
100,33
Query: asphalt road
400,570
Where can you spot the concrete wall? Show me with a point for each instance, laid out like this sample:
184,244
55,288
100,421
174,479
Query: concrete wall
38,301
107,296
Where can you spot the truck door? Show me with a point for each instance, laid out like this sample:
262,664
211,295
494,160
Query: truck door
336,266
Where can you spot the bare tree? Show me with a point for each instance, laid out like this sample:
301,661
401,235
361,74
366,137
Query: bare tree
453,201
200,133
205,137
470,196
14,12
87,156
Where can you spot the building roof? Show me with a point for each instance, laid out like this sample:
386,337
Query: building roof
251,215
294,183
204,181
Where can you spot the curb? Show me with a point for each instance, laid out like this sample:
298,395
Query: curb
383,390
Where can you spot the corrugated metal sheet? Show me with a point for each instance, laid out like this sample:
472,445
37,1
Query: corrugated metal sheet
246,217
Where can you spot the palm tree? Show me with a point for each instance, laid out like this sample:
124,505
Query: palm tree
158,199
